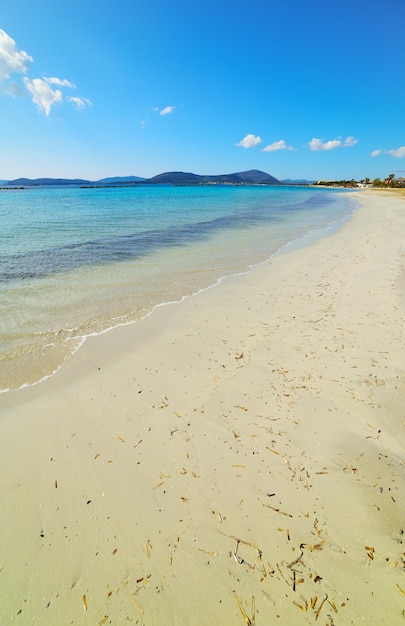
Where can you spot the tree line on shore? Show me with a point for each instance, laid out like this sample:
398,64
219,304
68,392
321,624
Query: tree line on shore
390,181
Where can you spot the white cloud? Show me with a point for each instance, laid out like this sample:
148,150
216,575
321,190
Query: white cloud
319,144
350,142
45,96
399,153
12,88
42,94
11,59
42,90
277,145
249,141
60,82
167,110
79,103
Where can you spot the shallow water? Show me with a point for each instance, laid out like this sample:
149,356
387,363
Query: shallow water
75,262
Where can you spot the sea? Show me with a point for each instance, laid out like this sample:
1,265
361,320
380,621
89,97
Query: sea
78,261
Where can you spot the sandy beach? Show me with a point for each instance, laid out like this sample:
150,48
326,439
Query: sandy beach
236,458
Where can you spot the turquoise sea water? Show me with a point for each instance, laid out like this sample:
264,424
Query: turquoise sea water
75,262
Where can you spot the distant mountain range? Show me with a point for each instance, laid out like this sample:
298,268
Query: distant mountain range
298,181
121,180
29,182
251,177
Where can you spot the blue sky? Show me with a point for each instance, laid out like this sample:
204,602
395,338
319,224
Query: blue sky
297,89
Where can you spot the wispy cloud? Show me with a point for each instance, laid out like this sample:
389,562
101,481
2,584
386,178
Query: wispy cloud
166,111
79,103
318,144
45,96
42,94
398,153
60,82
43,91
349,142
12,88
250,141
277,145
11,58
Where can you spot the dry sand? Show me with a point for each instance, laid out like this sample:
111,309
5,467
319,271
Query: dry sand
237,458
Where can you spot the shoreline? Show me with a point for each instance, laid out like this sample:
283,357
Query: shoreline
59,349
235,454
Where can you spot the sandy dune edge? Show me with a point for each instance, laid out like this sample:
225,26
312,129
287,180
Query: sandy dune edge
237,458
